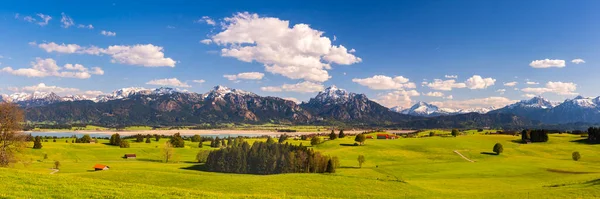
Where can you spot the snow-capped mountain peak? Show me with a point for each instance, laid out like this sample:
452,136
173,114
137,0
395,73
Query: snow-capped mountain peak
220,92
422,109
537,102
398,109
334,94
582,102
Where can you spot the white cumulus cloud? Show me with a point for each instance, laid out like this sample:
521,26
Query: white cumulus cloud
174,82
66,20
451,76
444,85
547,63
578,61
434,94
382,82
199,81
560,88
108,33
477,82
510,84
302,87
245,76
141,54
400,98
297,52
48,67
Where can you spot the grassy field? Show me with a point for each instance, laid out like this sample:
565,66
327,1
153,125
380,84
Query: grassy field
402,168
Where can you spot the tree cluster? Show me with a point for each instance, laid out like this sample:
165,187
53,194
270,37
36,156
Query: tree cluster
177,141
264,158
594,135
115,140
540,135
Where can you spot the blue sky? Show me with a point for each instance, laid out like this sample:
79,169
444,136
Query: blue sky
407,44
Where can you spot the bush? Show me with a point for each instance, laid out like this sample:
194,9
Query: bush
534,135
124,144
315,141
361,160
196,138
360,138
342,135
332,135
177,141
498,148
576,156
454,132
37,142
202,156
431,134
56,164
148,140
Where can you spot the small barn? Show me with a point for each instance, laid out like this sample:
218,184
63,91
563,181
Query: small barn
101,167
369,137
129,156
383,136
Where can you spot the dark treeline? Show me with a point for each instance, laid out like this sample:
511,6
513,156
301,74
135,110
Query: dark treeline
540,135
269,158
594,135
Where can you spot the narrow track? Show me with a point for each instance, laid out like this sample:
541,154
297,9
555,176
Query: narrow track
461,155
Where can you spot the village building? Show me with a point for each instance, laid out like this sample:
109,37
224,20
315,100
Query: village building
129,156
101,167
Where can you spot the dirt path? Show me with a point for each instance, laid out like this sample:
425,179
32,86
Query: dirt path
461,155
54,171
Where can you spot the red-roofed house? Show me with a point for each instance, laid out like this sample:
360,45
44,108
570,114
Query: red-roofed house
101,167
383,136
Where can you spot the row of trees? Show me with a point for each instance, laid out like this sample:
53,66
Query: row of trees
539,135
269,158
594,135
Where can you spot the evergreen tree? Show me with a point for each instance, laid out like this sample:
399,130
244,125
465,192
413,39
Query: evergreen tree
270,140
148,140
200,144
156,137
37,142
330,166
223,144
342,135
229,141
332,135
282,138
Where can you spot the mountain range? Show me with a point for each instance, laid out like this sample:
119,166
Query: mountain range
168,106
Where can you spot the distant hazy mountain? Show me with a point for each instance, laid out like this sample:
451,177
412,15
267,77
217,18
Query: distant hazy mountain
579,109
429,110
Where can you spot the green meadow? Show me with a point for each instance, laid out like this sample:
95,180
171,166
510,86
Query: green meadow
403,168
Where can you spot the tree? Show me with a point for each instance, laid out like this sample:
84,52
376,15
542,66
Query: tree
12,140
85,139
202,156
167,151
148,140
156,137
330,166
332,135
360,138
454,132
282,138
56,164
270,140
498,148
54,140
200,144
342,135
361,160
124,144
315,140
37,142
139,138
576,156
45,156
177,141
196,138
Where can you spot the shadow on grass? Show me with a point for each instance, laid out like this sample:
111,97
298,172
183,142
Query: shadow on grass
196,167
348,145
519,141
572,172
488,153
348,167
148,160
583,141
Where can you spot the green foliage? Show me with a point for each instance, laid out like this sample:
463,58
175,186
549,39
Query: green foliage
264,158
202,156
539,135
148,140
200,145
361,160
315,140
593,135
360,138
124,144
177,141
37,142
115,140
270,140
576,156
56,164
332,135
282,138
454,132
498,148
85,139
139,138
196,138
156,137
342,135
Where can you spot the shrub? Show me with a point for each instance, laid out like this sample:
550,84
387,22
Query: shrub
361,160
330,166
454,132
342,135
315,140
576,156
177,141
332,135
282,138
56,164
498,148
196,138
431,134
37,142
202,156
148,140
124,144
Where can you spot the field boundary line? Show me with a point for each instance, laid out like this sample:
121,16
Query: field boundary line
54,171
461,155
